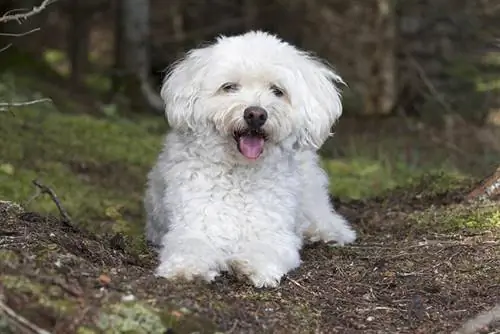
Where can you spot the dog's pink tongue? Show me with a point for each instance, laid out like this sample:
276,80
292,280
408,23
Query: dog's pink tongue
251,146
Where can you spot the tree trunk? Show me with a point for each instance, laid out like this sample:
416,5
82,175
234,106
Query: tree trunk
380,91
78,41
136,58
118,50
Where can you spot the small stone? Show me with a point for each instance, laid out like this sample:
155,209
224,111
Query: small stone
128,298
176,314
104,279
370,318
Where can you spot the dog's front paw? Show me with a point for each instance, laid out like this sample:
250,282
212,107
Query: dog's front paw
186,268
340,232
265,267
344,236
261,275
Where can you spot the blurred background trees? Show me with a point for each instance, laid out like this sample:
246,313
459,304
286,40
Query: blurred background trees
411,57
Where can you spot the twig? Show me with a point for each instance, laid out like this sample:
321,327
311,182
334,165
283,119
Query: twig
233,327
20,321
481,321
23,16
46,190
6,47
19,34
301,286
4,106
421,72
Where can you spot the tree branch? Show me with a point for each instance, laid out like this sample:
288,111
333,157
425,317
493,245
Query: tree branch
20,322
4,106
7,17
46,190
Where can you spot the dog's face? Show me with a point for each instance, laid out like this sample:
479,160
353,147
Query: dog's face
255,89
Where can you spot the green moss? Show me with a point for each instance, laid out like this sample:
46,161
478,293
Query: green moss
86,330
5,326
133,234
47,296
357,178
137,317
438,182
130,318
9,258
458,217
91,163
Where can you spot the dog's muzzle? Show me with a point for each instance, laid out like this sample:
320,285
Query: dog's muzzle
251,140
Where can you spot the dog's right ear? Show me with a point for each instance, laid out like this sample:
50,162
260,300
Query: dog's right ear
181,89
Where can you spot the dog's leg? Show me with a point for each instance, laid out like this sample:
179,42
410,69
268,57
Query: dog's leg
264,262
320,221
186,255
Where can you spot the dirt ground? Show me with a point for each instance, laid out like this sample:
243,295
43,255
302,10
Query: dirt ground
424,263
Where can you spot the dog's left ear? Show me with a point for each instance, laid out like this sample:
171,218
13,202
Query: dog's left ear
181,88
320,103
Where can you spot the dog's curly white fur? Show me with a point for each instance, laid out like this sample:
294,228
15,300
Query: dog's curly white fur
224,196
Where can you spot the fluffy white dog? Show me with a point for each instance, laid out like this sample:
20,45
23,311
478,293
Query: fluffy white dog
238,186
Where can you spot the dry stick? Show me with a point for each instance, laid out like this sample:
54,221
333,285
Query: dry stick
428,83
46,190
5,47
23,16
439,97
19,34
20,321
481,321
301,286
4,106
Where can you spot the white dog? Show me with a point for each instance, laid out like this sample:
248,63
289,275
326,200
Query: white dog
238,186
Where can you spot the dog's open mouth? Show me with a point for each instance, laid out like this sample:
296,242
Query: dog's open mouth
250,142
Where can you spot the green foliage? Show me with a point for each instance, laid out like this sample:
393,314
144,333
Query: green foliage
130,318
46,296
92,164
456,218
360,177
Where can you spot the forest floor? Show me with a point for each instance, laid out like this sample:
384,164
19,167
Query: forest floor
424,263
425,260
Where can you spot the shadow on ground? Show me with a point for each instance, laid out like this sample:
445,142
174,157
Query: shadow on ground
424,263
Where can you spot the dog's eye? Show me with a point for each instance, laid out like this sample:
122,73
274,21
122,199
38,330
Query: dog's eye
230,87
277,91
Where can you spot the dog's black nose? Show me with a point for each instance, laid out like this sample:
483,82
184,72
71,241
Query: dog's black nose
255,117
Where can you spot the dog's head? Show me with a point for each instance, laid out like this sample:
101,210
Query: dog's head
256,89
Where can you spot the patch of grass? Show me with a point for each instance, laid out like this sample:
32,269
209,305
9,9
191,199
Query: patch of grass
9,258
357,177
138,317
459,217
130,318
93,164
50,297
